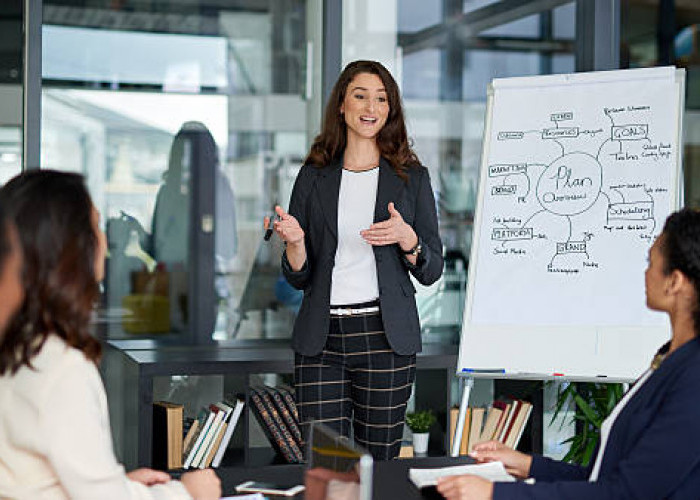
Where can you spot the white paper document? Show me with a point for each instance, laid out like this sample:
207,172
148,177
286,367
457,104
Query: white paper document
493,471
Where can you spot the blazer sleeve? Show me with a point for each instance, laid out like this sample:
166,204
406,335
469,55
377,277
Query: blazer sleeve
297,208
546,469
656,466
428,267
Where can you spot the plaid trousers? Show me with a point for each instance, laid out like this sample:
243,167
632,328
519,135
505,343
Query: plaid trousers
357,379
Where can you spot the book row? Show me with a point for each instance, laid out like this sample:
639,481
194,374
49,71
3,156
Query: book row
502,421
202,442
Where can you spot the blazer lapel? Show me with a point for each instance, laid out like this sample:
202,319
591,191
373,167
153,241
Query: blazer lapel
387,190
328,192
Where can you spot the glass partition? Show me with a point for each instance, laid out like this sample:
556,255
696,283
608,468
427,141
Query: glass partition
189,121
11,64
656,33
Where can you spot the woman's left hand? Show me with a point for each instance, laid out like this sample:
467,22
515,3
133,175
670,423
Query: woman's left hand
391,231
465,487
148,477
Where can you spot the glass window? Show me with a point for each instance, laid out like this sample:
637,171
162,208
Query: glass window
10,89
658,33
444,65
526,27
564,22
415,16
185,148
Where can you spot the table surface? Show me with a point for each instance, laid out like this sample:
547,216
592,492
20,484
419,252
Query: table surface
390,477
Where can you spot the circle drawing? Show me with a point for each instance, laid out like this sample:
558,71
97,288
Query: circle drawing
570,185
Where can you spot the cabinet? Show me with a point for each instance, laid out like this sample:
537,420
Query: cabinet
130,369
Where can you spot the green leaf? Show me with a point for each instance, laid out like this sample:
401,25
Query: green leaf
592,404
587,411
420,421
562,398
590,447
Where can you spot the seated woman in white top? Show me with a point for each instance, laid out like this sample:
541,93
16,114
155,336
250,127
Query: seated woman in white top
55,440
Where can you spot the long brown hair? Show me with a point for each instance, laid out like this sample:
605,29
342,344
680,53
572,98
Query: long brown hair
392,139
53,214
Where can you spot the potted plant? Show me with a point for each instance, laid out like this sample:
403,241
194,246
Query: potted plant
593,403
420,423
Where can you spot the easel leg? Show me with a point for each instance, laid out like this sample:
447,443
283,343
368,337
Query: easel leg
459,429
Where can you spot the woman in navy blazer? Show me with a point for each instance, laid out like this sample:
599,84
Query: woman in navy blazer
361,218
650,444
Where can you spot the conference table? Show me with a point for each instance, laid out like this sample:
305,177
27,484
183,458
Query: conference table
390,478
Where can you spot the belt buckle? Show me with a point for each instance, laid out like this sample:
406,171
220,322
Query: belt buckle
341,311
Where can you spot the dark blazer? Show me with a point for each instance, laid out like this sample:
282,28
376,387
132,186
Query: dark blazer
314,203
652,452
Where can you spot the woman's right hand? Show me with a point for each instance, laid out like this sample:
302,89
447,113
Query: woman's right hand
287,227
202,484
516,463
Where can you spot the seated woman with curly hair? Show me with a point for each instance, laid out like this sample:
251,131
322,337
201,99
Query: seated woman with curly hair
55,440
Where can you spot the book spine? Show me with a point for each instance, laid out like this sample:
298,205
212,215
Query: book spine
291,403
269,428
511,420
464,443
522,422
286,434
190,438
215,446
506,421
490,424
238,409
198,442
501,420
176,416
209,438
286,415
475,428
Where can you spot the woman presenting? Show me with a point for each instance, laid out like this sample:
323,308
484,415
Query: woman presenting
361,218
650,443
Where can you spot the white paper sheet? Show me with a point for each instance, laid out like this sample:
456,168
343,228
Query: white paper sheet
493,471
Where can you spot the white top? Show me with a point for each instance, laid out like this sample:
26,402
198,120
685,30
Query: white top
55,439
355,271
610,421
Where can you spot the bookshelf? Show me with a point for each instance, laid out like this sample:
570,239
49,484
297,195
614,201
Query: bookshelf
130,369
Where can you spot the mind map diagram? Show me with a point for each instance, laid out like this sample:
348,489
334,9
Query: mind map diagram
568,185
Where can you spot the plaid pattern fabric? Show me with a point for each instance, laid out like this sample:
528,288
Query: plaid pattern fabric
357,379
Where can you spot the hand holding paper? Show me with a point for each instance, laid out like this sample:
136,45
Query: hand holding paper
516,463
493,471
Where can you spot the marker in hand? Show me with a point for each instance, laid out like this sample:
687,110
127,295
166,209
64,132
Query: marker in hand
269,226
286,226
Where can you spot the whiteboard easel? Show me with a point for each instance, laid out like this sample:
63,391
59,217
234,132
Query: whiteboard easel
578,174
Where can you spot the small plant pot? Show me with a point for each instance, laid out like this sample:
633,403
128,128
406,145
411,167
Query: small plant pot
420,442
